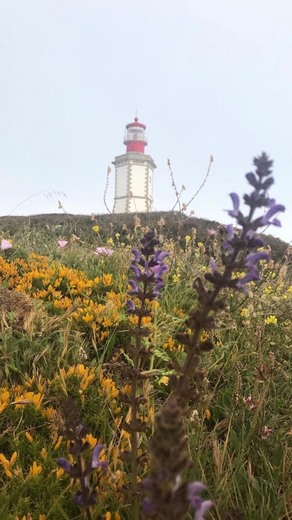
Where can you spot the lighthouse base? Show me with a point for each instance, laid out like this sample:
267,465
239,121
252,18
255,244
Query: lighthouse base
133,183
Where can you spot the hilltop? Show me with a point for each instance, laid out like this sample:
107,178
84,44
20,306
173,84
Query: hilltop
171,224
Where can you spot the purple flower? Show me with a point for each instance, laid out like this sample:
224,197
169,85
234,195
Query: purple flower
251,276
201,506
5,244
254,258
230,231
136,254
95,462
159,255
64,464
213,265
148,269
158,270
253,241
134,287
136,270
235,201
274,208
131,307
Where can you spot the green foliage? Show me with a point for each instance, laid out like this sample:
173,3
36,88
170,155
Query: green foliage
240,433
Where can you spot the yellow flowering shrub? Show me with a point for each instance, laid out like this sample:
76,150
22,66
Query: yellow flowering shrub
90,302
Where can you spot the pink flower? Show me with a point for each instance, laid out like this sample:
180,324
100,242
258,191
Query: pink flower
5,244
62,243
249,402
103,251
265,432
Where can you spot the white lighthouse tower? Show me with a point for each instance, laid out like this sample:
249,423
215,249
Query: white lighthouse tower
133,173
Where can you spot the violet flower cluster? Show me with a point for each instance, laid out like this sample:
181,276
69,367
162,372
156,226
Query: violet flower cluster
148,269
167,497
242,251
145,284
80,470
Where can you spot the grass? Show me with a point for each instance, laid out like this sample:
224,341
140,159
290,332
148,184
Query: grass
75,345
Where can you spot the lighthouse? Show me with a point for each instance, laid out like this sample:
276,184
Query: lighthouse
134,173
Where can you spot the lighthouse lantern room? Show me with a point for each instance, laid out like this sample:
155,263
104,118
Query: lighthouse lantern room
134,173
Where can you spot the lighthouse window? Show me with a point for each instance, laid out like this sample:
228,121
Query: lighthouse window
135,133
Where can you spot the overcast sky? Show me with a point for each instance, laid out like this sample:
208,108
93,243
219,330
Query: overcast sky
206,76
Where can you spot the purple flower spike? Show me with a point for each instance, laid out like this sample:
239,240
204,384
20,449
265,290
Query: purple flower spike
148,269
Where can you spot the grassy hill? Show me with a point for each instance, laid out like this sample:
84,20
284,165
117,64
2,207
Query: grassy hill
173,225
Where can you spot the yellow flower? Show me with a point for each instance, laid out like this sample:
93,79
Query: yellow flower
126,389
7,464
244,312
91,440
112,516
107,279
29,436
163,380
49,413
110,242
30,398
207,414
4,398
187,239
169,344
29,517
59,472
176,278
95,229
35,470
271,320
109,387
59,442
88,318
44,453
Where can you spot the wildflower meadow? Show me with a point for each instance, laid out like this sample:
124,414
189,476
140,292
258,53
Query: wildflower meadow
146,372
